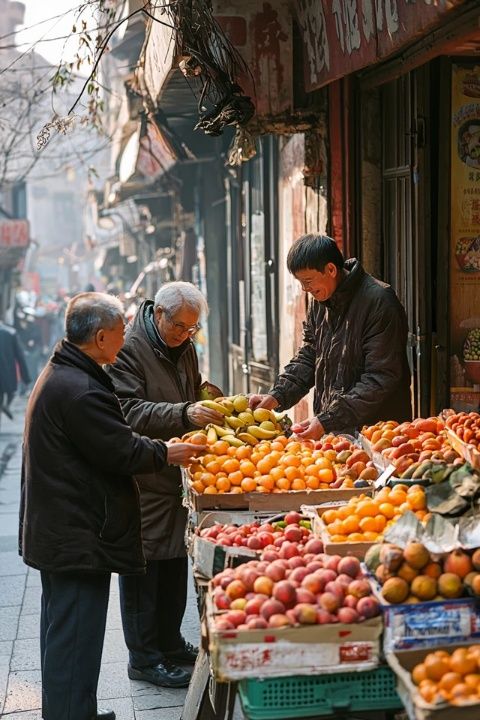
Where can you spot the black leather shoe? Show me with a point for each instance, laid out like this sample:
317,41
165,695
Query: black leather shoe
164,674
186,654
105,714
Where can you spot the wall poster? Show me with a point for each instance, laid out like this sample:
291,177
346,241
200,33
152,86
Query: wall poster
465,239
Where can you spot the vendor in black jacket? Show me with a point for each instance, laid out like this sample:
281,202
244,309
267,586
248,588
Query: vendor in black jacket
80,514
354,345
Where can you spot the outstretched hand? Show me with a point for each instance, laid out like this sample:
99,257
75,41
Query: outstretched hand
201,416
311,429
262,401
180,453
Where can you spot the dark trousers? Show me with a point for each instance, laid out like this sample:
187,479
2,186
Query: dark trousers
72,629
152,608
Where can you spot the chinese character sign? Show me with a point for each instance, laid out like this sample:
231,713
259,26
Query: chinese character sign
14,234
465,238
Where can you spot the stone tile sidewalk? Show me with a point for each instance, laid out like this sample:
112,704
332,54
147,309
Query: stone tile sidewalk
20,616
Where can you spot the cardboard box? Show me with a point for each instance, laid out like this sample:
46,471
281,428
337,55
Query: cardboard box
417,708
425,624
304,650
468,452
357,549
266,502
210,558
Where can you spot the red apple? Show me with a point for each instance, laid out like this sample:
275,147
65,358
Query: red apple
329,602
292,517
306,613
314,545
323,617
222,601
295,562
349,566
275,571
298,574
263,584
238,604
236,589
285,592
254,604
313,583
288,550
293,533
270,555
223,624
347,615
271,607
305,596
236,617
279,620
360,588
257,623
337,589
368,607
331,562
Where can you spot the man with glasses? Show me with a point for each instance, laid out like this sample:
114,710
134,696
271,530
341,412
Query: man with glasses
157,381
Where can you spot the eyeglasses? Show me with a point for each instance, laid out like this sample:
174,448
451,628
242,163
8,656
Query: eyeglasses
180,327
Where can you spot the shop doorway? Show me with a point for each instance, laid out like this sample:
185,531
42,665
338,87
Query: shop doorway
405,192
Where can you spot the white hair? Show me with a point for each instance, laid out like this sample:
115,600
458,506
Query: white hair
175,295
89,312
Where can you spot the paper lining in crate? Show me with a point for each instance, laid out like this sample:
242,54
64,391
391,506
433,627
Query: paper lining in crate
425,624
378,460
402,663
253,501
280,652
357,549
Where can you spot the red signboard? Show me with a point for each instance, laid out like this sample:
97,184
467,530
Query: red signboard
14,233
342,36
261,31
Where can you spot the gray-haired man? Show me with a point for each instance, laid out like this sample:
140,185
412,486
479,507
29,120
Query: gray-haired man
80,516
157,381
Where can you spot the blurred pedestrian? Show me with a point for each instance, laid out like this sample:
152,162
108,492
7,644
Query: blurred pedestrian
157,381
12,367
80,515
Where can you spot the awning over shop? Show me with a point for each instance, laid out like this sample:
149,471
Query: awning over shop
261,32
351,35
151,151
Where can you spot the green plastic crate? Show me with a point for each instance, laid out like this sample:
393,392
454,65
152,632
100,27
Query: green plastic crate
313,695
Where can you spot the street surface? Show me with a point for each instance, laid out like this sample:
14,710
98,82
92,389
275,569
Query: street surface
20,689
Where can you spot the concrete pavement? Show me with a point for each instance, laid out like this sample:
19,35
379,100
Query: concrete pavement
20,688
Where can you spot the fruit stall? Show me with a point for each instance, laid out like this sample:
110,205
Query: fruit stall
338,578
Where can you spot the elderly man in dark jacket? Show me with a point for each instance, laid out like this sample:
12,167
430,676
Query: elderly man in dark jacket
80,515
354,345
157,381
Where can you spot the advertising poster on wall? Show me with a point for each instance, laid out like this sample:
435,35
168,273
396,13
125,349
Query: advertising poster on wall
465,239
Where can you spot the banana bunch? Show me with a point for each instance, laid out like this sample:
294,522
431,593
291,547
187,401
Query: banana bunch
429,470
241,425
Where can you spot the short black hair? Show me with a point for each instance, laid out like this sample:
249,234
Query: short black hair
313,252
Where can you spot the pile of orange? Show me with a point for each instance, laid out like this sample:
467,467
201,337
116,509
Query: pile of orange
365,519
450,677
268,467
